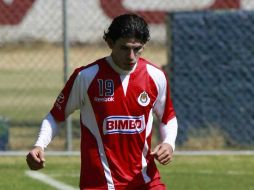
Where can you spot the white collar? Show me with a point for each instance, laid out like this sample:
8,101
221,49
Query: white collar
117,68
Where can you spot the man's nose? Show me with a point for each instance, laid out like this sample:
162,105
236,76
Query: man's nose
131,54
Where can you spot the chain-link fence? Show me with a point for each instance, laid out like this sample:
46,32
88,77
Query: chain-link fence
212,58
32,53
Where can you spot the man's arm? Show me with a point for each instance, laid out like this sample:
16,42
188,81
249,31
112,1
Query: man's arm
49,128
164,151
70,98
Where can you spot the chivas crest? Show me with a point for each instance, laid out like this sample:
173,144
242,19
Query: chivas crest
143,99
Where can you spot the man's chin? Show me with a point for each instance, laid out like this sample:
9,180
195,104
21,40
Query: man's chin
129,67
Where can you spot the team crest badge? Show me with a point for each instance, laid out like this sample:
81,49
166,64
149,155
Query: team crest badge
143,99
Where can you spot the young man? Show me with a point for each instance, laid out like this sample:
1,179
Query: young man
116,96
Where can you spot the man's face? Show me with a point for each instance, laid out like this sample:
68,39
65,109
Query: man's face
126,52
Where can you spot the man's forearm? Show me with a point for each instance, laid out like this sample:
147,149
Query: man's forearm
169,132
49,129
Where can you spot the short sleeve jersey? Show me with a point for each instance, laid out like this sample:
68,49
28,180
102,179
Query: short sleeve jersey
116,116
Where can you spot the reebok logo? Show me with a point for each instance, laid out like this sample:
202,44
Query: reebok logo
109,99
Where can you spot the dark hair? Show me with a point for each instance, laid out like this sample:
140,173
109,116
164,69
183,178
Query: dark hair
128,26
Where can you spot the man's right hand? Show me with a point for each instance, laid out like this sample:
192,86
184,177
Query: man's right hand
35,158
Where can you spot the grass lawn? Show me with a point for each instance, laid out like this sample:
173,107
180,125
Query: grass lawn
185,172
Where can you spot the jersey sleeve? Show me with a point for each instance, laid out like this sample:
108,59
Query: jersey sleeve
165,110
49,129
168,132
169,111
164,105
70,98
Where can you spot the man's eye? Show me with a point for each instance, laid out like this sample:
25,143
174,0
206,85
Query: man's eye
137,49
124,48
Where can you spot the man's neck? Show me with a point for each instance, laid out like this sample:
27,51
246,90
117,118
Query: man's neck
116,68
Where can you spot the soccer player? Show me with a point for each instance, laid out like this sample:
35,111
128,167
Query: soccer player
116,96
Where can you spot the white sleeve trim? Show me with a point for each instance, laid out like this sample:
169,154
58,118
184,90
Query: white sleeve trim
161,85
49,129
169,132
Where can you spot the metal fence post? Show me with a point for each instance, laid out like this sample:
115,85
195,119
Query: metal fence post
68,122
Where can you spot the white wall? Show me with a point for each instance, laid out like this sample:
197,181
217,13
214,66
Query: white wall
87,20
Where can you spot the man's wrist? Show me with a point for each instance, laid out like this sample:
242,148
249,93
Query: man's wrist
39,147
172,146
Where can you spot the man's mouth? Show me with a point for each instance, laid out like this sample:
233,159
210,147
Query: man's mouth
131,64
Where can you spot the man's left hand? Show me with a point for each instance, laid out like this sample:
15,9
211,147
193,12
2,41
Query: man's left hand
163,153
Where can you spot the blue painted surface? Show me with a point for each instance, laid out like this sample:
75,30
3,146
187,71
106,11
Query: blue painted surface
213,73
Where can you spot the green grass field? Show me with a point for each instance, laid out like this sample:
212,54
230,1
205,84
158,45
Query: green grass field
226,172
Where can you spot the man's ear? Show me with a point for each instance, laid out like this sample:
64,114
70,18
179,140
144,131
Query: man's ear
110,43
144,46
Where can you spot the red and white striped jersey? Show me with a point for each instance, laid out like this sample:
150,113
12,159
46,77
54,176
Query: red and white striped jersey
116,113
